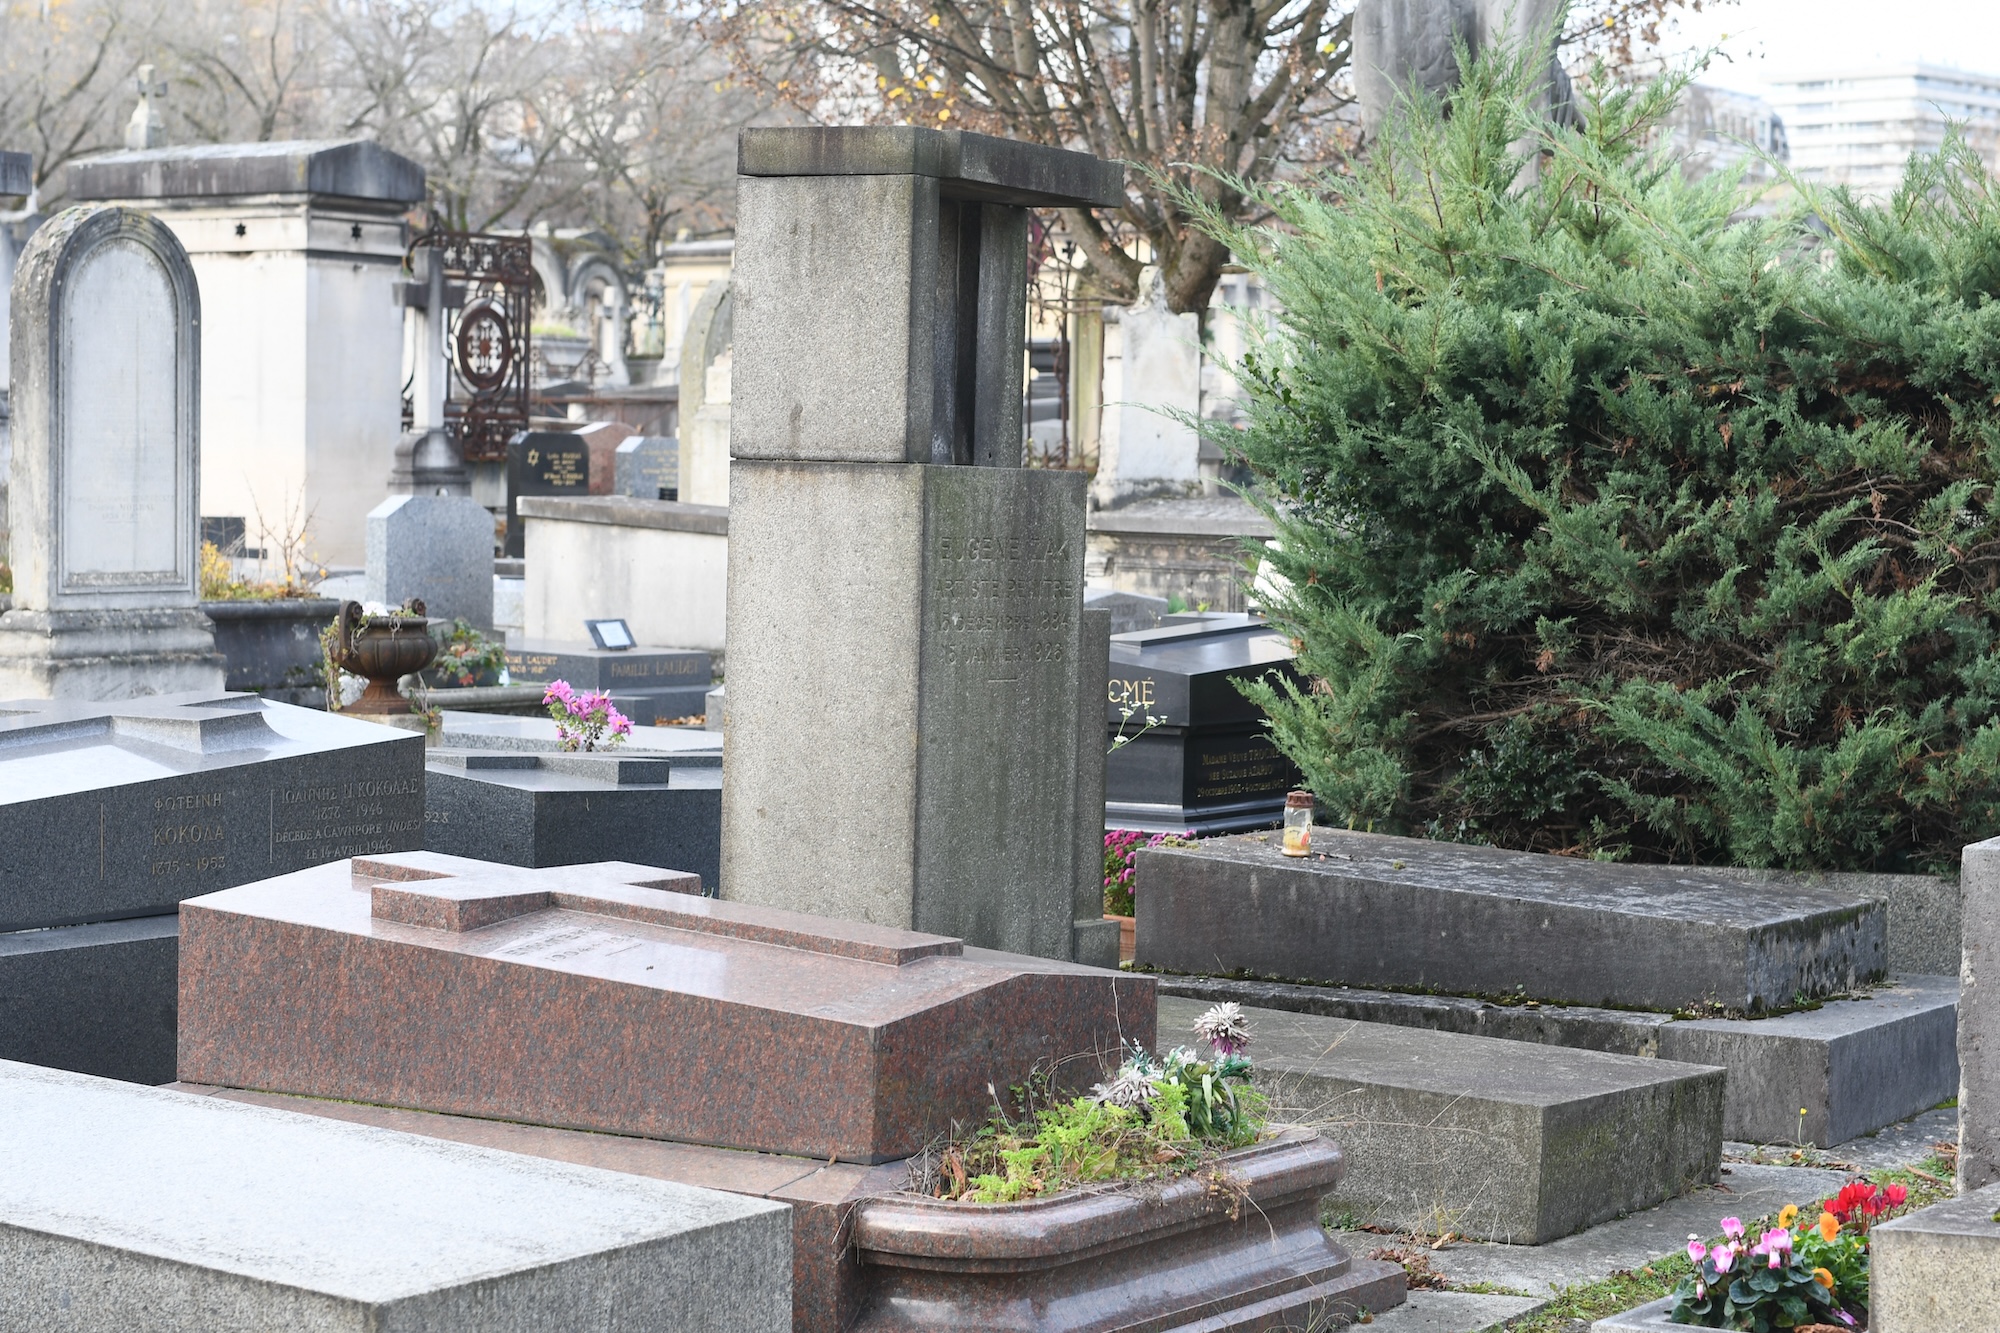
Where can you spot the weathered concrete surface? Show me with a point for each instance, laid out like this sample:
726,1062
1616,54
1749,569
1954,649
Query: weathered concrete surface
1634,1240
1501,1140
126,1207
1450,1312
1851,1065
1979,1019
1935,1270
1855,1065
1367,910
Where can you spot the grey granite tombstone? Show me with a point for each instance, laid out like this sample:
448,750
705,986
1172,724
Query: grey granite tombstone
1402,46
174,1211
903,725
118,812
1979,1018
527,809
648,467
106,459
435,547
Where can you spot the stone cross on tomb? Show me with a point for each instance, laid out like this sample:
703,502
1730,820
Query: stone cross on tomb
612,997
199,721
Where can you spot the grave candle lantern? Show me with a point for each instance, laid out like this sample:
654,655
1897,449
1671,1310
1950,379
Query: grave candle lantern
1298,822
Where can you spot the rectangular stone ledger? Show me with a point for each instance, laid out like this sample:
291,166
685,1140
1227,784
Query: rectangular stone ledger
1498,1140
1367,910
138,1208
583,997
898,701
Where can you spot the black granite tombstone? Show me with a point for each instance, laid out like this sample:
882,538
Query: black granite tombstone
542,462
116,812
530,809
1203,762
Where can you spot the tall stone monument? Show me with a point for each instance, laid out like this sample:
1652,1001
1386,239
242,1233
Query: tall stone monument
106,432
1979,1017
904,677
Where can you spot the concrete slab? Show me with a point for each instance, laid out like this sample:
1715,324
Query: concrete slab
131,1207
95,999
1852,1065
1856,1064
1496,1139
1908,1143
1408,913
1934,1271
1637,1238
1648,1318
1450,1312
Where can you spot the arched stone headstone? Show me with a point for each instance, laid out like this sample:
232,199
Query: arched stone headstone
102,507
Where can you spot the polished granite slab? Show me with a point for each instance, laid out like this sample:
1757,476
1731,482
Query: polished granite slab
609,997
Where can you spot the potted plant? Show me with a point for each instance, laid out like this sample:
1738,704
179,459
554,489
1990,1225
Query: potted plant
1121,849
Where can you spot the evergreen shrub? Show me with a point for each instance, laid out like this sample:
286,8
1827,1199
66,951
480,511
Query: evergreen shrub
1617,522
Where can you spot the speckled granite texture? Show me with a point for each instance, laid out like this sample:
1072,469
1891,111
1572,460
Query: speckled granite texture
590,997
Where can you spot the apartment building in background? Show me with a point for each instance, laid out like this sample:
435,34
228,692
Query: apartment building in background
1858,126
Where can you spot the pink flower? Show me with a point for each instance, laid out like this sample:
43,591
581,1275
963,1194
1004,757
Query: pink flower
1724,1258
1696,1250
1732,1227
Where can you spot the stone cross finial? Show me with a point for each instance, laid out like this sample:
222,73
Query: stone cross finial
147,128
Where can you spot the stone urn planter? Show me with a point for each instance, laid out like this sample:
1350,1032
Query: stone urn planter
1238,1247
384,649
272,647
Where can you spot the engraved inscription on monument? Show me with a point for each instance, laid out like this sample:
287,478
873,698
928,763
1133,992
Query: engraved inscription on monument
123,469
1001,605
312,823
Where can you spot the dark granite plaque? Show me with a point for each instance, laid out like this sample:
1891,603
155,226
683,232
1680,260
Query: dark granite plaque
1205,763
648,685
541,462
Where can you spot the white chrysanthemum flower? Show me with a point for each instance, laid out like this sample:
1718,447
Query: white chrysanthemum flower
1129,1091
1224,1028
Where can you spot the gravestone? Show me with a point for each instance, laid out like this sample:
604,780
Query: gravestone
106,457
437,548
429,539
602,438
117,812
142,1208
526,809
1979,1018
1409,913
541,462
649,467
577,993
1190,753
903,572
648,685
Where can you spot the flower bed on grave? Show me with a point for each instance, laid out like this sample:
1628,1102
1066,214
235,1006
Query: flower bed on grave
1806,1269
1162,1193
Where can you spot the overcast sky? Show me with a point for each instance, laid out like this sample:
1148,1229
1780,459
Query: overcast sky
1766,39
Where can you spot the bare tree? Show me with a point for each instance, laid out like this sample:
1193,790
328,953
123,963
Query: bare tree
652,117
66,75
1186,91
